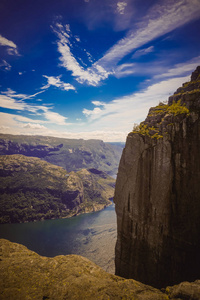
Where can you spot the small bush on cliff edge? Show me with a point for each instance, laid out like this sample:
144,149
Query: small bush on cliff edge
176,108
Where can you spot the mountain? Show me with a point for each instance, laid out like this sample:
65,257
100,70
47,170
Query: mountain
27,275
32,189
157,193
71,154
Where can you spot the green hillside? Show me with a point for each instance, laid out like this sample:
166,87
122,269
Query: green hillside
32,189
71,154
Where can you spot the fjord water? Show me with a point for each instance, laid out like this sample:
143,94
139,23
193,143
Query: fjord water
91,235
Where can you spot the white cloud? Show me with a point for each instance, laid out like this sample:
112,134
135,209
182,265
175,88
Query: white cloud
12,47
157,69
77,38
22,119
160,20
11,125
90,58
5,65
14,124
11,100
54,117
110,121
92,75
21,73
98,103
13,94
4,127
10,103
34,126
121,7
120,114
55,81
125,70
93,113
180,69
6,42
142,52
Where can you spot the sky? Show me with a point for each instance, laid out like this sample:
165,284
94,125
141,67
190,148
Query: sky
91,69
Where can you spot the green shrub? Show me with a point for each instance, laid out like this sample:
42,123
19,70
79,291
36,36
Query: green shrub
176,108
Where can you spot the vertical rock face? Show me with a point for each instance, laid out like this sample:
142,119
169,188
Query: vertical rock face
157,193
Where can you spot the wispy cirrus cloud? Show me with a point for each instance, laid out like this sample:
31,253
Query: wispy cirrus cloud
4,65
91,75
11,100
14,95
11,46
180,69
121,113
161,19
55,81
121,5
142,52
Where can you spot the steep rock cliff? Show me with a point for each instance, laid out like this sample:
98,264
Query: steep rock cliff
157,193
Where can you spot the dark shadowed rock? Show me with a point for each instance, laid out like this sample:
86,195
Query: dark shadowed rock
157,193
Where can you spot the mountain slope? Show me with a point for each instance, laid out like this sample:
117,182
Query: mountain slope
32,189
70,154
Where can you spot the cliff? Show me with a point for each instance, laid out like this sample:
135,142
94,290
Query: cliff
27,275
32,189
157,193
71,154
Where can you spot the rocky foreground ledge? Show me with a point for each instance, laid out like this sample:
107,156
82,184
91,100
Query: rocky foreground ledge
27,275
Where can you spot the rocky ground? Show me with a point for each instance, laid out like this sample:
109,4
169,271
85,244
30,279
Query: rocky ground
27,275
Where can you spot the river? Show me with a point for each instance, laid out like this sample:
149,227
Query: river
91,235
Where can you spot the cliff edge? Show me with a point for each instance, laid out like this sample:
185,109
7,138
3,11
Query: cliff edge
26,275
157,193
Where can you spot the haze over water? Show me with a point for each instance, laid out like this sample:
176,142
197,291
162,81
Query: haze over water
90,235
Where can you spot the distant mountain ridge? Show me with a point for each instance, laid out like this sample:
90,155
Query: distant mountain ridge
32,189
71,154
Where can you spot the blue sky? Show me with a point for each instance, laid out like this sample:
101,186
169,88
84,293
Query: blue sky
92,68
